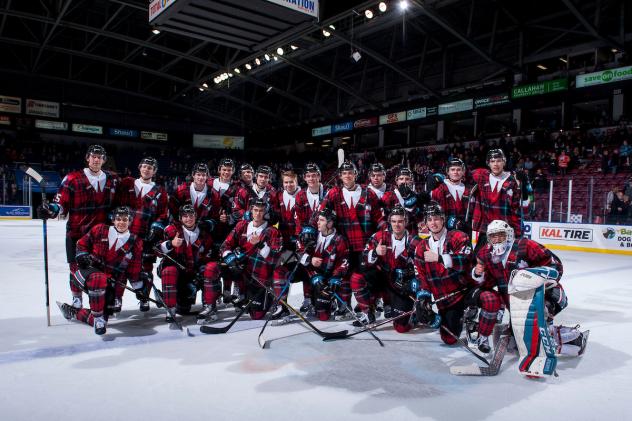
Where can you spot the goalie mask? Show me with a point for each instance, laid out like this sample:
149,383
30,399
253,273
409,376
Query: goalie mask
500,237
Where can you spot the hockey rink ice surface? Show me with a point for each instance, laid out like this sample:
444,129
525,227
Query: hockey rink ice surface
141,369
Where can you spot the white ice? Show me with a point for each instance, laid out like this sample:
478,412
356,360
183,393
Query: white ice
143,369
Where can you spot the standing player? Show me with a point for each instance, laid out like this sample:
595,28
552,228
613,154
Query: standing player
442,264
377,175
358,217
286,200
260,189
187,267
105,255
199,194
452,195
497,196
148,204
86,196
223,201
404,195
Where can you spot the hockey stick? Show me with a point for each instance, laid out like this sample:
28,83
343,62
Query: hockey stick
215,330
469,202
344,304
165,255
40,180
341,159
264,344
464,344
160,302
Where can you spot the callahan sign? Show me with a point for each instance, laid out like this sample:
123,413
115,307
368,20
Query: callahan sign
540,88
606,76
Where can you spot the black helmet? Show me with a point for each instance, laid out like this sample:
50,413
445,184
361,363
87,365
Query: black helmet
398,210
404,171
433,209
96,150
348,166
122,211
258,202
328,214
457,162
264,169
245,167
200,167
149,161
226,162
186,209
312,167
377,167
495,154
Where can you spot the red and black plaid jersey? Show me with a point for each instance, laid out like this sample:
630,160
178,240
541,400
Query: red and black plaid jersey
257,266
122,264
241,201
182,196
438,279
287,218
502,203
451,207
306,213
392,199
356,223
389,262
335,258
191,256
85,206
223,202
145,210
524,253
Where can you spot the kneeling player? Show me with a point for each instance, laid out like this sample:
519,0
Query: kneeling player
106,257
187,267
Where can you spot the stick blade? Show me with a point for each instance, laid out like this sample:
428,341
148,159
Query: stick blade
341,157
34,175
263,343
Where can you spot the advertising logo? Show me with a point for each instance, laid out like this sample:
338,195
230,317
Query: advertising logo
566,234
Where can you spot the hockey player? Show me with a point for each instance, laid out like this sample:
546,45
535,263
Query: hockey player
442,265
105,255
286,200
326,262
537,295
249,254
377,174
197,193
260,189
404,195
388,254
148,203
358,216
86,196
496,195
452,194
187,267
223,201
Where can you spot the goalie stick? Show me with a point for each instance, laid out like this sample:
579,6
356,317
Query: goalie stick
501,342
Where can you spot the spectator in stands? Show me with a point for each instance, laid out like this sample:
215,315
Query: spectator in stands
528,165
628,188
607,163
540,181
625,151
619,209
563,161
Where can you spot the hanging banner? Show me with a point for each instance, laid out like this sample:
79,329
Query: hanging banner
321,131
123,132
430,111
456,106
217,141
42,108
5,120
51,125
156,7
365,122
154,136
539,88
393,118
10,104
15,212
416,114
342,127
490,101
87,128
605,76
309,7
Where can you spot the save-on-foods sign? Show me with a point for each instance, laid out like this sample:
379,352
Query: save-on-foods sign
539,88
393,118
605,76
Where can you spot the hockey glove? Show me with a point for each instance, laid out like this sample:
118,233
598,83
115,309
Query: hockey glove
247,216
48,210
156,232
334,285
86,260
317,280
455,223
432,181
308,235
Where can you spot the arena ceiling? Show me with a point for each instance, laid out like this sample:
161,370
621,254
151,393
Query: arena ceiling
103,54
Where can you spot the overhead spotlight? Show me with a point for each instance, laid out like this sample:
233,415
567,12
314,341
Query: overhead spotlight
280,51
356,56
332,27
200,88
563,60
205,85
382,6
614,50
541,67
144,53
275,58
368,13
216,80
326,33
269,88
257,61
237,70
155,31
248,66
403,5
293,47
230,74
267,57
